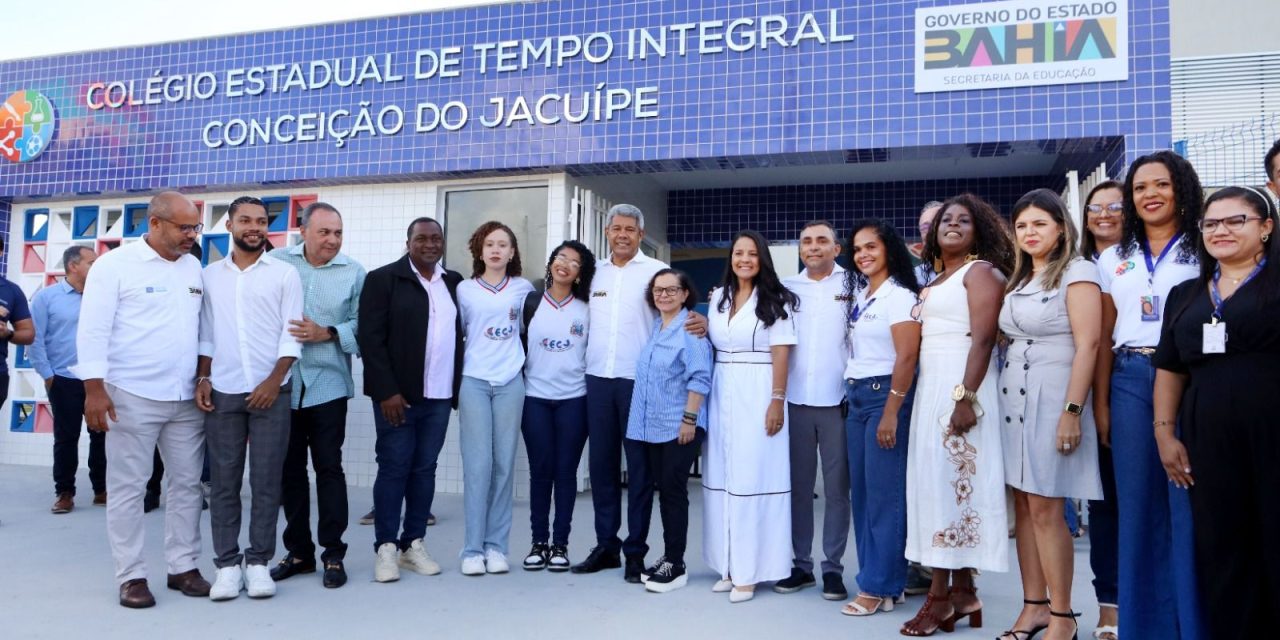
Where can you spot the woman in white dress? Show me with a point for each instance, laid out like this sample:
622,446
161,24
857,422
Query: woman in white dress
746,477
955,473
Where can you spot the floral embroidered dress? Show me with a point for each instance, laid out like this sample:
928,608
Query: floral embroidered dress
955,483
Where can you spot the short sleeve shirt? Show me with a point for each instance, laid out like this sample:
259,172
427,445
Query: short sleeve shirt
1128,282
871,336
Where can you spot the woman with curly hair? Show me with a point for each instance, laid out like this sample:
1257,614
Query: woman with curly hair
491,399
555,404
1163,201
956,516
884,342
746,476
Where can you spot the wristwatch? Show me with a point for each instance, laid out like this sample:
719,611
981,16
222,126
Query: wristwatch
960,393
333,332
1073,408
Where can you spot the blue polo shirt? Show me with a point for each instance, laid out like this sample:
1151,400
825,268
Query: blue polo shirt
13,302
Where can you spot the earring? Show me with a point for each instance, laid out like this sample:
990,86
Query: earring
577,280
1266,237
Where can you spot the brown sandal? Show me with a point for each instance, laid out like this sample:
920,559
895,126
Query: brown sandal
975,615
926,622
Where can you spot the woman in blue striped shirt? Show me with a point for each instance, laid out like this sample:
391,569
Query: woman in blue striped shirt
672,366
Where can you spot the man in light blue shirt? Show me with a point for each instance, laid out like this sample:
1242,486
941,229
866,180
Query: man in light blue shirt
331,285
56,312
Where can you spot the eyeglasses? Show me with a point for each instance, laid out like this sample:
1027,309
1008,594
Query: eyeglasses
185,228
1115,208
567,262
659,292
1232,223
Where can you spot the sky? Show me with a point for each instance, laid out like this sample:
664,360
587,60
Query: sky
38,28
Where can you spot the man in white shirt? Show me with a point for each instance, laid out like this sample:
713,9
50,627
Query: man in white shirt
137,349
815,402
242,383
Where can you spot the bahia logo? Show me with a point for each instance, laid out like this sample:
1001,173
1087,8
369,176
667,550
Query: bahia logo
27,123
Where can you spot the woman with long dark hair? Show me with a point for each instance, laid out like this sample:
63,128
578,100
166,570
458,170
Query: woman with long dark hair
1163,200
1050,318
1104,224
884,343
554,423
746,477
1217,378
956,516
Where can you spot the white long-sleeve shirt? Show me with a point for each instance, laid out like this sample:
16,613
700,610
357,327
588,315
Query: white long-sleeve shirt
244,321
139,323
621,320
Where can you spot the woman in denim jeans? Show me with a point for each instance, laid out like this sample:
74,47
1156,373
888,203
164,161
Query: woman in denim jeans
1163,201
491,398
885,342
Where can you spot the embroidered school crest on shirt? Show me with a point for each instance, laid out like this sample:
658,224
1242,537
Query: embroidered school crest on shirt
1125,267
555,346
513,312
577,329
499,333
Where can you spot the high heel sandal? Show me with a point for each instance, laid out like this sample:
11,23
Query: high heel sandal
1019,634
926,622
1070,614
975,616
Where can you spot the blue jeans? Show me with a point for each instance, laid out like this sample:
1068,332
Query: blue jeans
878,483
1157,585
608,405
489,416
406,477
1103,520
555,431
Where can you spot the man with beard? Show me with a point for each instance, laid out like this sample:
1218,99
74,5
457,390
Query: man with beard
242,383
137,346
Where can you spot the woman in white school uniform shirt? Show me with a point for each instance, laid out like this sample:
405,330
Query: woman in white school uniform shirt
1163,201
879,377
491,399
555,404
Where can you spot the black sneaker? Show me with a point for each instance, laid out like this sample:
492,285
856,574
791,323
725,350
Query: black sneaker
919,580
799,579
644,575
558,559
598,560
536,559
833,587
666,576
635,566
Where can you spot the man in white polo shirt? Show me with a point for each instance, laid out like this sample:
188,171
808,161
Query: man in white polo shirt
815,401
137,346
242,382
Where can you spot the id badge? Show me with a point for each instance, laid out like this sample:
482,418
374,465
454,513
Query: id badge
1150,308
1215,338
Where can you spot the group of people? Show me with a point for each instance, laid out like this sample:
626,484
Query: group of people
1128,363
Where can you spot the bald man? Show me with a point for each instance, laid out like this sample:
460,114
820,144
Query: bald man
137,344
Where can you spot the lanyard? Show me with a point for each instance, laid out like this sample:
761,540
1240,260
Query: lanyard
858,311
1151,266
1214,295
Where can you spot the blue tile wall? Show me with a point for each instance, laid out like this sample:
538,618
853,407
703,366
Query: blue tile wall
803,102
710,217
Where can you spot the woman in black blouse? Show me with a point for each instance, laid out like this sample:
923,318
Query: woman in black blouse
1217,381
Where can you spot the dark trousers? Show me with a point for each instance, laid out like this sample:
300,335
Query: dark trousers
1104,532
66,396
555,431
406,480
608,404
669,466
1236,517
321,430
231,431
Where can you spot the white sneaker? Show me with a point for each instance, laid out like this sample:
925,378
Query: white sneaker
473,566
258,582
495,561
417,560
385,568
227,584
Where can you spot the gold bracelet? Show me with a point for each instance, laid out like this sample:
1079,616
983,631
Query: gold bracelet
900,394
1162,423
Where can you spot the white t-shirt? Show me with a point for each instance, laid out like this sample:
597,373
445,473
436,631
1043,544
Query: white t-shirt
556,367
873,351
1126,281
819,357
491,322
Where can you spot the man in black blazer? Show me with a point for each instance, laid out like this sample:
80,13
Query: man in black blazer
410,336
